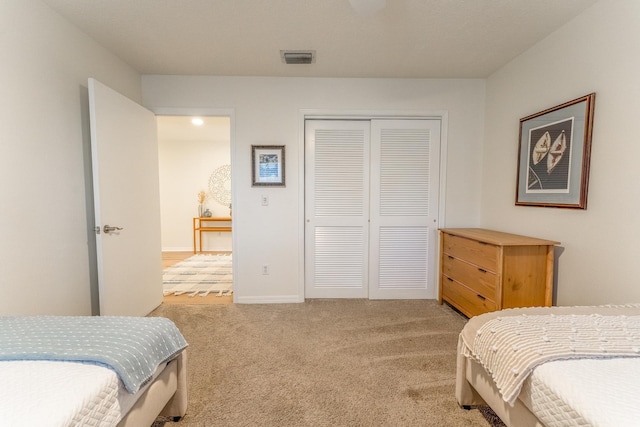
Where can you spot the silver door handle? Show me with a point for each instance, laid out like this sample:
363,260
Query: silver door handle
109,229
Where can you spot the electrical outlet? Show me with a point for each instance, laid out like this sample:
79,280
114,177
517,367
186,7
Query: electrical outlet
265,200
265,269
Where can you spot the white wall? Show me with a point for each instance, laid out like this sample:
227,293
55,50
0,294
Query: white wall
45,261
596,52
268,110
185,169
45,237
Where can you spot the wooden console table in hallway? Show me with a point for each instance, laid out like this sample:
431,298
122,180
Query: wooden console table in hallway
200,226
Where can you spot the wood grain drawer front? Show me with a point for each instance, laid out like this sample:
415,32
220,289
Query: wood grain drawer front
477,279
484,255
468,302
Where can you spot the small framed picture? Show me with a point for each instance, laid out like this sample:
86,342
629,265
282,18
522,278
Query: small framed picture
554,155
267,163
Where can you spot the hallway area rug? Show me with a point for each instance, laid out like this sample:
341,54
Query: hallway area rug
199,275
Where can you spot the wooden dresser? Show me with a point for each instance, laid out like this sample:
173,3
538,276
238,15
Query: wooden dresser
485,270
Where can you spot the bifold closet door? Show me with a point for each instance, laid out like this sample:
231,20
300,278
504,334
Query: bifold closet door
336,208
405,158
371,193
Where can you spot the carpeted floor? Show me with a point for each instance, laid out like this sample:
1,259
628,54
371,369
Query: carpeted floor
322,363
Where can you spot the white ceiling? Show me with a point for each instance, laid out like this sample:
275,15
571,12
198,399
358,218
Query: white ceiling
406,39
179,129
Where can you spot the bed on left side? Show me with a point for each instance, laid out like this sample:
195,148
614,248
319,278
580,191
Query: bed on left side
93,371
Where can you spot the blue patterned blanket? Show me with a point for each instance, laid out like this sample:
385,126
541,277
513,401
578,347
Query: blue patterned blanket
133,347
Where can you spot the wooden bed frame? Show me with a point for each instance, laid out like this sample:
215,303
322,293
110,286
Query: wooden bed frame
166,395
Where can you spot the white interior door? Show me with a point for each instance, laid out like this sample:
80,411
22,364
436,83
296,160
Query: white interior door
336,208
405,158
125,183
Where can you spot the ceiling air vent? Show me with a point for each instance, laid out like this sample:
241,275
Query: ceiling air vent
298,56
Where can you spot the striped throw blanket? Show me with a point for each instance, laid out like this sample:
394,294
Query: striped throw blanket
199,275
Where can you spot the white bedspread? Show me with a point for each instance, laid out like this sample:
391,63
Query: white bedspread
587,392
596,391
44,393
510,347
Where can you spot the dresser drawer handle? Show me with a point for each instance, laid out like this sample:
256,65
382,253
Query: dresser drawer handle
450,279
482,270
450,257
481,297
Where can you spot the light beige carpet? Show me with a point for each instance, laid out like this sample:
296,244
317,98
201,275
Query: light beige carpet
321,363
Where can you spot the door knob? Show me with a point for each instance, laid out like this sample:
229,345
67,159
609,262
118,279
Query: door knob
109,229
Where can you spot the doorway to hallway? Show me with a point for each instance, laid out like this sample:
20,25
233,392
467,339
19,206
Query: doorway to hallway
195,183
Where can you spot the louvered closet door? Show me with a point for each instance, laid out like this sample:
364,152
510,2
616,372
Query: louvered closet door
405,156
336,209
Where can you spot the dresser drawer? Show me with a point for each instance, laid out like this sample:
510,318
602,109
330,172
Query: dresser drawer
464,299
477,279
481,254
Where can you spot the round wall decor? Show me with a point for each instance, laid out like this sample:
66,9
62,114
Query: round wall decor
220,185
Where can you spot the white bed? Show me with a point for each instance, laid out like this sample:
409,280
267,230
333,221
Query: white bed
76,393
599,389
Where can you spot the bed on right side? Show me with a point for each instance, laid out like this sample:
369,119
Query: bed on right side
553,366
